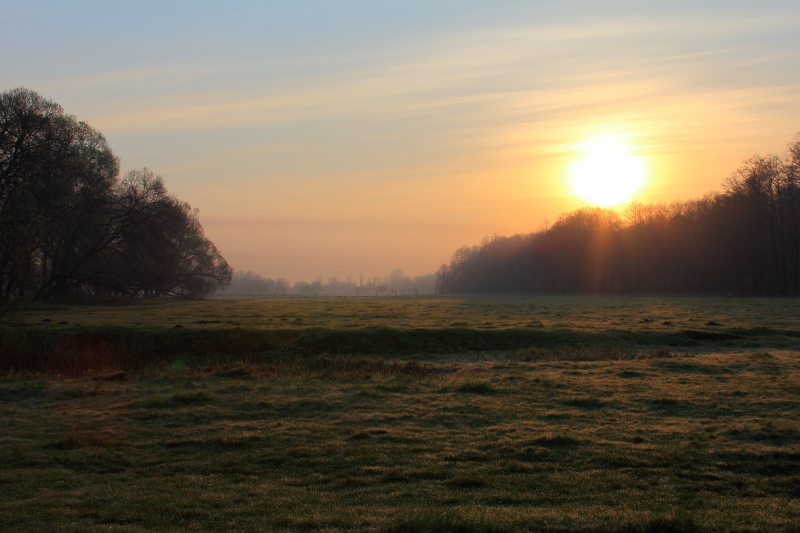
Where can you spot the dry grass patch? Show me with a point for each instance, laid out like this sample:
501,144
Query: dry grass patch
703,443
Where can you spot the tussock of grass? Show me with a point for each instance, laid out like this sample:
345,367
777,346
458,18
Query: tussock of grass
557,441
710,335
592,353
366,365
467,482
585,403
477,387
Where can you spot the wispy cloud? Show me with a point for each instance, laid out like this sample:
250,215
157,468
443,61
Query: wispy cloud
460,132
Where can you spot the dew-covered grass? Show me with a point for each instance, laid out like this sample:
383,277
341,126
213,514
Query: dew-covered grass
456,414
577,312
666,442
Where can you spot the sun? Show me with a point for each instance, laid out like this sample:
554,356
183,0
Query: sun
607,172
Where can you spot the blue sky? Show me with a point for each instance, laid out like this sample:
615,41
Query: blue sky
334,138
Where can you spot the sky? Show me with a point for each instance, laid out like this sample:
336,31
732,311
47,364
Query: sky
337,138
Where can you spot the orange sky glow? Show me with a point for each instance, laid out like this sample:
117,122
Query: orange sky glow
326,140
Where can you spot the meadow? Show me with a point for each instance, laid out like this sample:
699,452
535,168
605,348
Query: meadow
478,414
578,312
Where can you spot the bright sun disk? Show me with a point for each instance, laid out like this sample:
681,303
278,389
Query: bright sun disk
607,173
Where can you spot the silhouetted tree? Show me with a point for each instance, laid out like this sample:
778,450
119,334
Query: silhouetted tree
282,285
744,240
249,283
69,226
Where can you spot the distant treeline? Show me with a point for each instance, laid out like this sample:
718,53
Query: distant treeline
251,283
742,240
70,227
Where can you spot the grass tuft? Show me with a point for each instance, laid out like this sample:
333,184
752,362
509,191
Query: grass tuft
447,522
557,441
585,403
467,482
477,387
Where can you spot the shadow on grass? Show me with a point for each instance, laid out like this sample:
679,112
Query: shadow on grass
477,387
80,351
454,522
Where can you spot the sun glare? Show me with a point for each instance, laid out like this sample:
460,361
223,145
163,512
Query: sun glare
607,172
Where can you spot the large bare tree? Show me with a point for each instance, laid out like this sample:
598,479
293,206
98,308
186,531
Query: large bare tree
70,227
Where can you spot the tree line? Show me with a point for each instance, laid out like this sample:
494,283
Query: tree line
744,239
395,282
71,227
252,283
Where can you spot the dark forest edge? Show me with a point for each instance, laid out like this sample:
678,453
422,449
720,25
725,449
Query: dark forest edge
744,240
82,351
72,229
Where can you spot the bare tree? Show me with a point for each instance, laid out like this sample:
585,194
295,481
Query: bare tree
69,226
282,285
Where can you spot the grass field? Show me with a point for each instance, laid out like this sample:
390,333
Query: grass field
588,313
584,414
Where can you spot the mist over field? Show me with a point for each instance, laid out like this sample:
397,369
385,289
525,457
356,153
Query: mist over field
243,283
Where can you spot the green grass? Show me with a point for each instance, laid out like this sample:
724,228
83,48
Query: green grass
74,339
106,349
397,429
577,312
706,442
